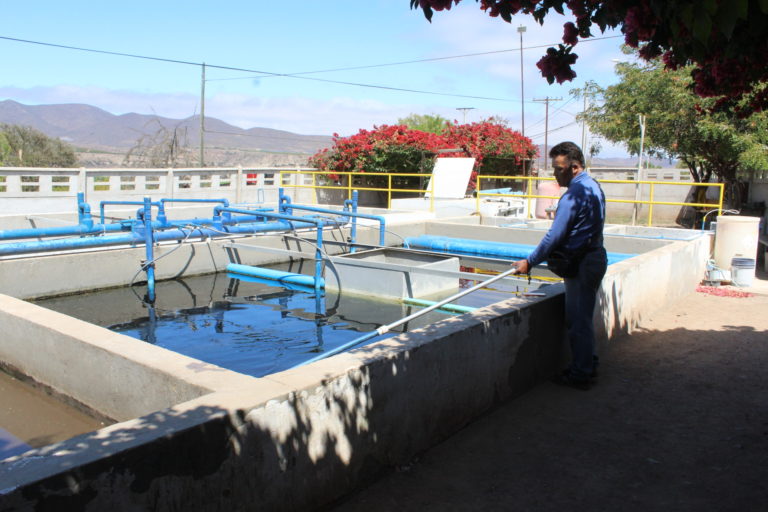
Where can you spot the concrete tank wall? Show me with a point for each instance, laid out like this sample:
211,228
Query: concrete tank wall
301,438
117,376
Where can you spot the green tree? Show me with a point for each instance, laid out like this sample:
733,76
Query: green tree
430,123
23,146
5,150
678,123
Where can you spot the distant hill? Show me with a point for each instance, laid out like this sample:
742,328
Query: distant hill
91,128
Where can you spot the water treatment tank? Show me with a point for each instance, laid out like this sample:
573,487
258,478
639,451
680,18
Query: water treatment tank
546,188
735,236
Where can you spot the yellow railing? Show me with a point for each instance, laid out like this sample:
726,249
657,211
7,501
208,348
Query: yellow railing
290,178
650,201
285,181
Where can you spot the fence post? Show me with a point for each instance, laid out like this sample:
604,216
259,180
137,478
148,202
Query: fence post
650,206
82,185
169,185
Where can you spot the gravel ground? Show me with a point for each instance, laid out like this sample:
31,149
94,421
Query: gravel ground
678,421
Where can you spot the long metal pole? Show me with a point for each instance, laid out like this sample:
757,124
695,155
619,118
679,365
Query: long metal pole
546,128
386,328
202,117
546,132
522,84
641,119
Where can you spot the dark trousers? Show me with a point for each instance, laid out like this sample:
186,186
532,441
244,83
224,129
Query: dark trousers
580,297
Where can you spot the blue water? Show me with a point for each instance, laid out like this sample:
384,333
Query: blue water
249,326
256,338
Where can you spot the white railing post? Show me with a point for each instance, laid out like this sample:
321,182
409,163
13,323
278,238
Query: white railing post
82,184
169,184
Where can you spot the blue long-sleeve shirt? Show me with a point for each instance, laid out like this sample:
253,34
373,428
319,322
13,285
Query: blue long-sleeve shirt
578,221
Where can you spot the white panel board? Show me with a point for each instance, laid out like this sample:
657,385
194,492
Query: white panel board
451,177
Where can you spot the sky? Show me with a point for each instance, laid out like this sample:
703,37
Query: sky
317,42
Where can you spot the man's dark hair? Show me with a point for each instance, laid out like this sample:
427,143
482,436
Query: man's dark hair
569,150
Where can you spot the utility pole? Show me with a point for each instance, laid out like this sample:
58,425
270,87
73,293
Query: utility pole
641,119
546,127
520,30
464,111
202,117
584,126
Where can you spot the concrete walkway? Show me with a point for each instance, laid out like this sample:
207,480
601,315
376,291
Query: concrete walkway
678,421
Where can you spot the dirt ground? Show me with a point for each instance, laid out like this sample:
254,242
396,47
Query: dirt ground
678,421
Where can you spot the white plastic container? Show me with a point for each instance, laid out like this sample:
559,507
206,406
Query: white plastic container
742,271
735,236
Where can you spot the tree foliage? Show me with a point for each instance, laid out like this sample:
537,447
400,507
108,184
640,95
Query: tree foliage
725,42
23,146
678,123
426,123
399,149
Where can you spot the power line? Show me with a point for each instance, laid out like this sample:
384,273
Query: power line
416,61
555,129
230,68
558,109
265,74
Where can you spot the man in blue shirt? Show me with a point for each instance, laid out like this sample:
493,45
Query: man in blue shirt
577,231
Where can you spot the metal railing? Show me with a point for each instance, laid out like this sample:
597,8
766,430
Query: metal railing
257,184
529,195
292,179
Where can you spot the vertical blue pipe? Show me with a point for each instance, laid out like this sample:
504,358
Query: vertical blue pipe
83,211
353,230
319,259
149,266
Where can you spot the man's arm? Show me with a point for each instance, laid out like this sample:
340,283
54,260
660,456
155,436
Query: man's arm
566,211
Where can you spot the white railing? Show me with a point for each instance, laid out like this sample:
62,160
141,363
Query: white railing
43,190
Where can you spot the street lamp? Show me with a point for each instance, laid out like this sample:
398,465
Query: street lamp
520,30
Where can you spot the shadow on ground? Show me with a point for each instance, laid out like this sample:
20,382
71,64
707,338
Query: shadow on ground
678,421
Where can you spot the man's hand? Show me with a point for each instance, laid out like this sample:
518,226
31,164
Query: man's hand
521,266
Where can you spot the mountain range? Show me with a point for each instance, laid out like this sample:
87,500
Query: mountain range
95,131
102,139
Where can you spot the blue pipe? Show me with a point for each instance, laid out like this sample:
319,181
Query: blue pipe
83,211
382,221
353,230
319,237
133,238
284,284
483,248
149,265
277,275
160,206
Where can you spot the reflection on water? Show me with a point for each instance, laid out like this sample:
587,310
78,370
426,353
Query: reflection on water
248,325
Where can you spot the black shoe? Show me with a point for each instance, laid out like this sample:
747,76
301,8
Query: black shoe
566,379
592,376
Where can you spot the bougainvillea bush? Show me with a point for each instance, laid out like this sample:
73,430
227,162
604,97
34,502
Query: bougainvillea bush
399,149
488,142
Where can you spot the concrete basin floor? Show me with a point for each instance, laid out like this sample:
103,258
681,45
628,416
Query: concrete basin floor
35,418
677,422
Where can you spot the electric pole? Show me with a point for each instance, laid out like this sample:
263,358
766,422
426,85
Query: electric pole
546,126
520,30
202,117
464,111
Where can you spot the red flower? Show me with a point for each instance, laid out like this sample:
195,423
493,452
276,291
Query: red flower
570,34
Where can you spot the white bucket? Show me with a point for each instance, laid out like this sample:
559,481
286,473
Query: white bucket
742,271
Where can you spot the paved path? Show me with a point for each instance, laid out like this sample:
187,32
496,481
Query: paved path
677,422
